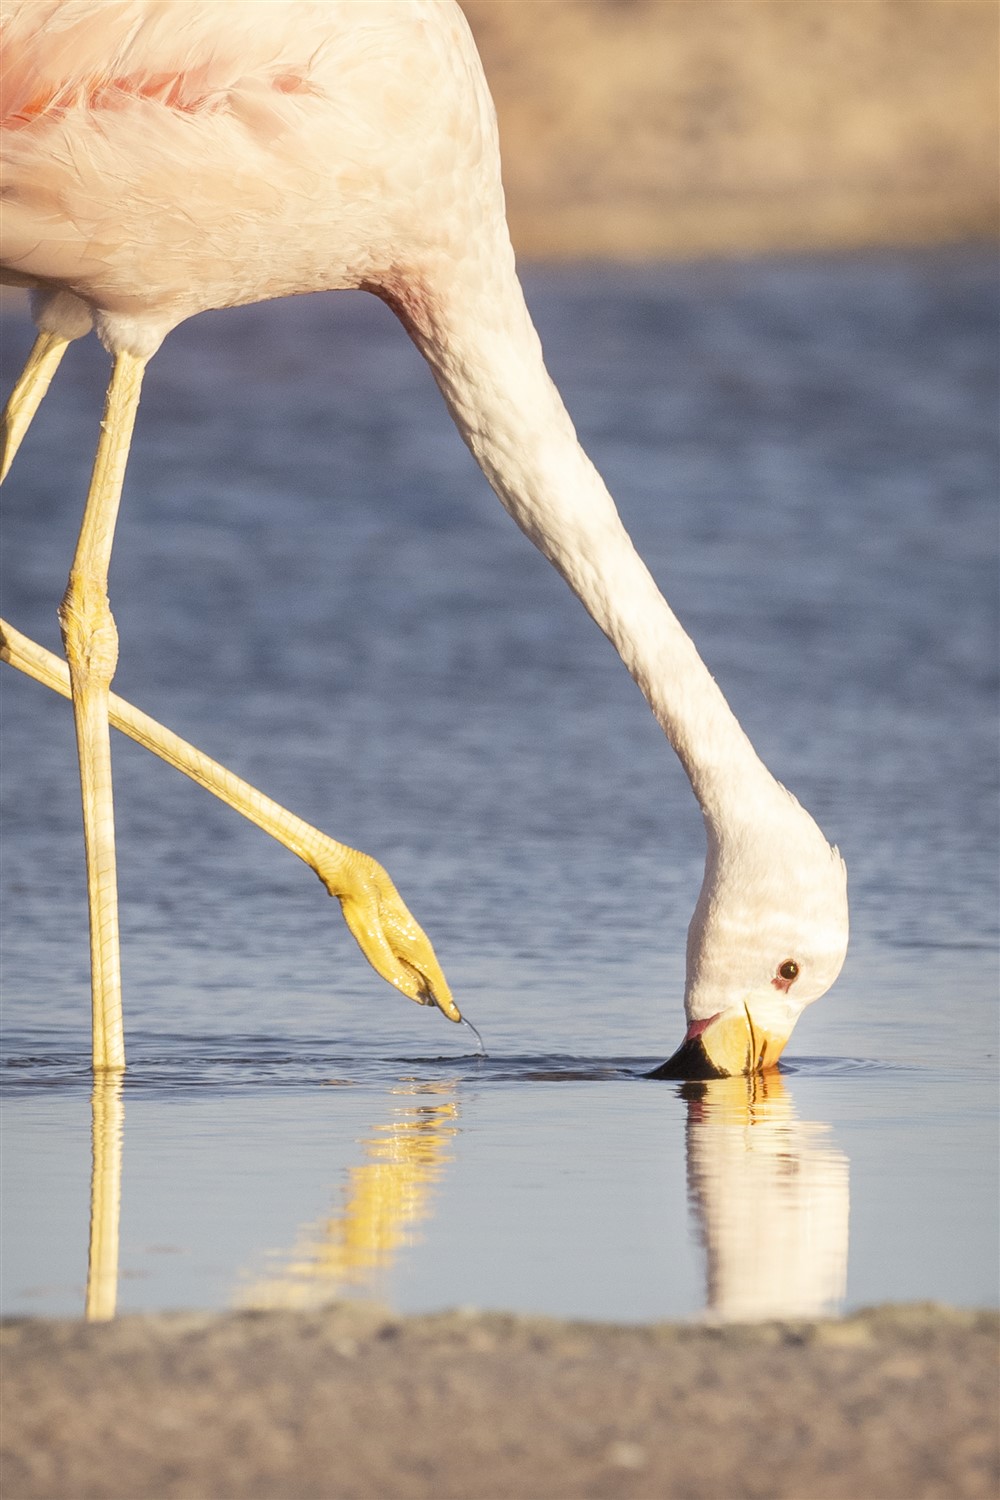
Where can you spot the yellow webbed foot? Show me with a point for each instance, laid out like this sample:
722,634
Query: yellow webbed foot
386,931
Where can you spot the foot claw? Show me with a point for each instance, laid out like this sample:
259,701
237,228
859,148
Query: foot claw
388,935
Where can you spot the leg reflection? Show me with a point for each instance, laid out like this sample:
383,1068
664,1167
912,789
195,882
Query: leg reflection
107,1119
386,1196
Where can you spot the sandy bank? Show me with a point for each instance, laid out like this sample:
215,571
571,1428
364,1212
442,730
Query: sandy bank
897,1402
644,128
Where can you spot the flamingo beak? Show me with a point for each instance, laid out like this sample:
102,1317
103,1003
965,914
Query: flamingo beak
725,1046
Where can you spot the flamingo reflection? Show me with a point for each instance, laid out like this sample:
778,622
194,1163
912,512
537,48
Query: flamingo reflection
771,1197
770,1193
383,1201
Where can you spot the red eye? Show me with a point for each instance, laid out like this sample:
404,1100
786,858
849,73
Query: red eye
788,971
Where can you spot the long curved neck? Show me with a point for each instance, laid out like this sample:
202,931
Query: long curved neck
487,359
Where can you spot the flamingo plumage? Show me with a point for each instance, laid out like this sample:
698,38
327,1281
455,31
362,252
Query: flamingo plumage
164,157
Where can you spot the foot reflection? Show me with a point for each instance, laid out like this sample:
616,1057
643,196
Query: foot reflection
107,1116
384,1199
772,1200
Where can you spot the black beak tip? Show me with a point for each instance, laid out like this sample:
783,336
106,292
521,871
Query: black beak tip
689,1061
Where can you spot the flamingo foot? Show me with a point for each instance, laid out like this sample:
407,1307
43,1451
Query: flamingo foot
384,928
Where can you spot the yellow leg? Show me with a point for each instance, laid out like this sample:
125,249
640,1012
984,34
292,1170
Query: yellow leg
388,935
91,642
26,397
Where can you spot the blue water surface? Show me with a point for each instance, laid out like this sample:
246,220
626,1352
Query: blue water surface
314,584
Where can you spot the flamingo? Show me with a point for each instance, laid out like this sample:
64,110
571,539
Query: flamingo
164,157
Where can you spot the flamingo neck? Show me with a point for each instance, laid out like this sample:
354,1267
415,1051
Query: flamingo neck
487,360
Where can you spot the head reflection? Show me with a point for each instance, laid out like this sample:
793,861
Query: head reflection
771,1198
382,1203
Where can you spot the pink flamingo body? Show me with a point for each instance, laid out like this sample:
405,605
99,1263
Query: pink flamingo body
185,156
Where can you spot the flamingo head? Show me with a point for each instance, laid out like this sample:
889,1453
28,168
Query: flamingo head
768,937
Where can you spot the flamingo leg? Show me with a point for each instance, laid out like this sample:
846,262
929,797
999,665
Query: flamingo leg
91,642
26,397
388,935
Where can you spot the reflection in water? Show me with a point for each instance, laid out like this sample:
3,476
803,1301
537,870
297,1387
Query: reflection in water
383,1200
770,1194
772,1200
107,1120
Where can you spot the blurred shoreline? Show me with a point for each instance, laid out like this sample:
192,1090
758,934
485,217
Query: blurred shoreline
898,1402
683,128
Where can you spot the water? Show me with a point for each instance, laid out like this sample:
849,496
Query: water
313,583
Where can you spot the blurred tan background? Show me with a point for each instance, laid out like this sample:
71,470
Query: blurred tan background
685,127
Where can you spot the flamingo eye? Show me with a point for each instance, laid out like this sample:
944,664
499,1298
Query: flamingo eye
788,971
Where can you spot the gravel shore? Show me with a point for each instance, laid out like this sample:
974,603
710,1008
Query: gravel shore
354,1402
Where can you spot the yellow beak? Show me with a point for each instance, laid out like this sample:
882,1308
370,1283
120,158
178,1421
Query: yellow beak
725,1046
